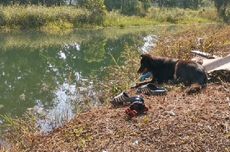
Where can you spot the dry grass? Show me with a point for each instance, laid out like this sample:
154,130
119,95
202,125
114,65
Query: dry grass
121,75
214,39
175,122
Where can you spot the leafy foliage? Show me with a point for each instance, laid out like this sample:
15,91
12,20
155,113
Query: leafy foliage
223,9
180,3
96,8
129,7
36,2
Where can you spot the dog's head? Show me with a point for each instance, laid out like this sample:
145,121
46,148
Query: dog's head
145,63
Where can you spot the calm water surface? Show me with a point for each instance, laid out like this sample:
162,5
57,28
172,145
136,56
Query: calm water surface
51,73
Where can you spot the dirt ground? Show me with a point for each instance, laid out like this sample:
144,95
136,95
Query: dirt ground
174,122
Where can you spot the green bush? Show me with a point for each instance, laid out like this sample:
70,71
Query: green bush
129,7
97,10
2,18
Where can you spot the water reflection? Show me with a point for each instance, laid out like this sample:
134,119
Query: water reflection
50,75
32,72
66,96
149,43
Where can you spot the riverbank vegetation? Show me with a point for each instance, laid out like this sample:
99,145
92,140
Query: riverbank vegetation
67,17
60,16
174,115
215,40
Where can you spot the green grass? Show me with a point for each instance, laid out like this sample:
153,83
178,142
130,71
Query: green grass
163,16
116,19
182,16
66,18
41,18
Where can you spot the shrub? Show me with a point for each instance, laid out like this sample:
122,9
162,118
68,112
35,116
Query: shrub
97,10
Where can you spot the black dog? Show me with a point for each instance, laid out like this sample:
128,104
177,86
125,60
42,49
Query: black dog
164,69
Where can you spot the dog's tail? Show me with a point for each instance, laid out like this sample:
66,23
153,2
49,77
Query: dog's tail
194,88
198,86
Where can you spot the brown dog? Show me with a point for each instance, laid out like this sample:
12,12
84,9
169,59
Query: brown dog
165,69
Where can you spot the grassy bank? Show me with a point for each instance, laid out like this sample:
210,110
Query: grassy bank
174,122
163,16
64,18
40,18
177,45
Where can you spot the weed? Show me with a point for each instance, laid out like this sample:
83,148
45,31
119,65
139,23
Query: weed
122,74
20,131
66,17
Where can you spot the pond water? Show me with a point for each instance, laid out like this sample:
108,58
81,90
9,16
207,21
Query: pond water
50,74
